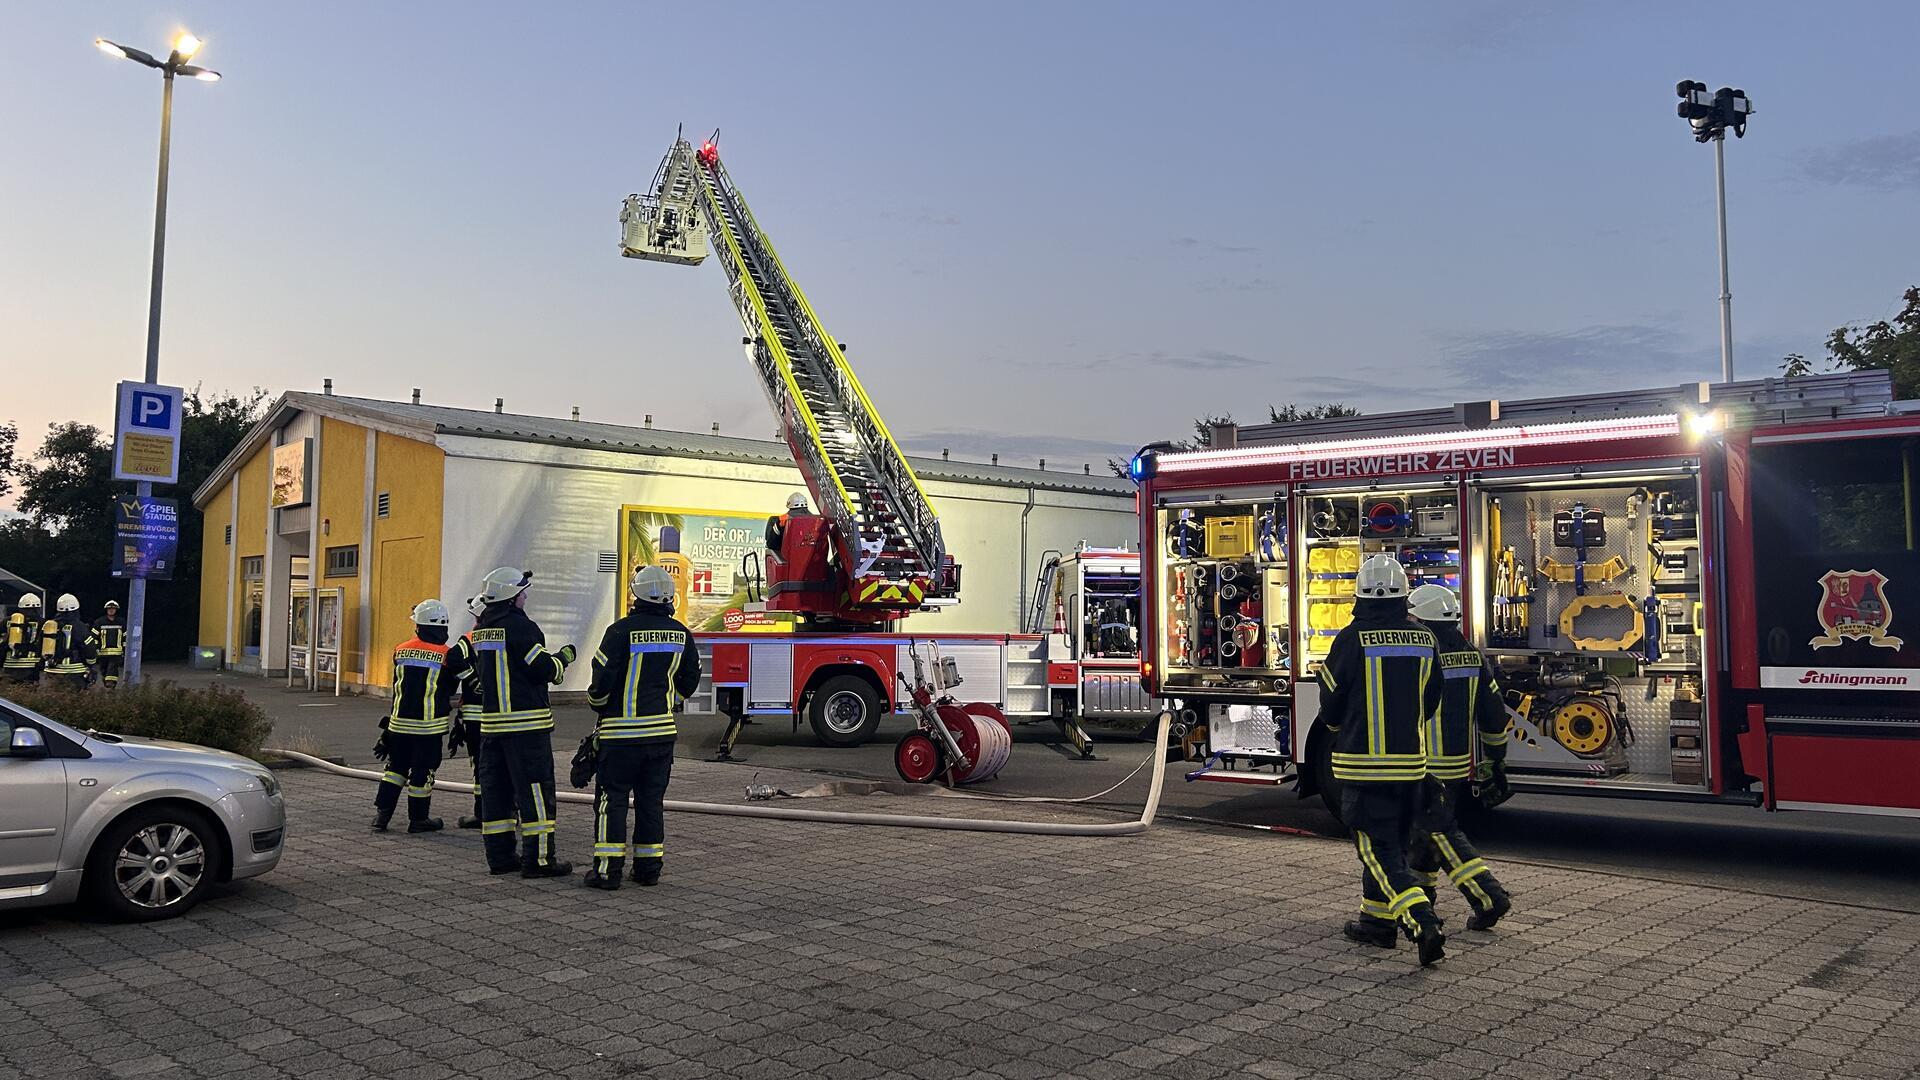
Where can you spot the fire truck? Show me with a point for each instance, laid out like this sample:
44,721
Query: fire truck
1087,603
873,553
1708,593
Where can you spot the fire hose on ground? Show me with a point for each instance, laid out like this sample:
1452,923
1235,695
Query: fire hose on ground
841,817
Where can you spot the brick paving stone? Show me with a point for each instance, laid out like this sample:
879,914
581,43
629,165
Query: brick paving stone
791,949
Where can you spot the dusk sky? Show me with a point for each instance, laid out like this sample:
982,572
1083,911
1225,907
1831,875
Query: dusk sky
1044,229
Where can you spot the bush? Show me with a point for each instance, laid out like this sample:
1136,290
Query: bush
216,717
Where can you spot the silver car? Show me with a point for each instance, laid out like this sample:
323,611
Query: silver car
140,828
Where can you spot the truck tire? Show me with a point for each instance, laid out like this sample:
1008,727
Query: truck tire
845,711
155,863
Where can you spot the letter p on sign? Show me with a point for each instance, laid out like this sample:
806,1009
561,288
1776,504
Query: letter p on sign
152,411
146,433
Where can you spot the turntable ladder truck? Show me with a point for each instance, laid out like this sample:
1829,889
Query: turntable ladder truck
875,553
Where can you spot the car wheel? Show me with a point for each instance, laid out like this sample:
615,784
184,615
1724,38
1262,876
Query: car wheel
155,863
845,711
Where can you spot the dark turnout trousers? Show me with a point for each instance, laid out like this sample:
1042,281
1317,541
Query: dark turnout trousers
1438,844
1381,815
515,773
636,769
411,762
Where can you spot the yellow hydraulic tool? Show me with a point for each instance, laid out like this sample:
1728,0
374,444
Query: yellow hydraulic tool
1583,605
1554,570
1583,725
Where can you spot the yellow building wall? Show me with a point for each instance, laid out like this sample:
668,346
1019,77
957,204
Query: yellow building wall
406,543
215,567
249,536
341,511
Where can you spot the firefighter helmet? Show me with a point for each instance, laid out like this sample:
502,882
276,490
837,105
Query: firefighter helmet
504,583
652,584
30,600
67,602
431,613
475,606
797,501
112,605
1381,576
1434,603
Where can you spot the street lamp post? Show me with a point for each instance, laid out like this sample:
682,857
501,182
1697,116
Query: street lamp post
1710,116
184,46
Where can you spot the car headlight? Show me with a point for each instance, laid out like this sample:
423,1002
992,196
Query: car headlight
268,784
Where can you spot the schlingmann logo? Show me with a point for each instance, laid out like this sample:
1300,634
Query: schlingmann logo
1828,678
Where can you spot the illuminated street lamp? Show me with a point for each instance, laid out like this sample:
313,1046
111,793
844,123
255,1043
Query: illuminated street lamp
185,45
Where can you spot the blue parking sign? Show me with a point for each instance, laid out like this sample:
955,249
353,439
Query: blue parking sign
146,433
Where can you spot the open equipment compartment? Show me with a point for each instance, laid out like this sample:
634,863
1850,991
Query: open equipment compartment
1589,606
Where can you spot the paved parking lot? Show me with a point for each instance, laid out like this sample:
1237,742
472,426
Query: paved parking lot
778,949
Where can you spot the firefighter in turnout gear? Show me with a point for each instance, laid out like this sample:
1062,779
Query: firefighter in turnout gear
112,635
1470,709
67,646
466,724
513,670
1379,685
646,666
22,663
777,526
425,675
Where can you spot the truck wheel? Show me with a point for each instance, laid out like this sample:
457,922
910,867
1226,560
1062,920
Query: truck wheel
845,711
155,863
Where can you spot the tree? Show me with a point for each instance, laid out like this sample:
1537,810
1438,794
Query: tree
1279,414
65,541
1888,345
9,437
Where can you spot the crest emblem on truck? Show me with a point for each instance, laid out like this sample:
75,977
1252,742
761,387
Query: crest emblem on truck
1853,605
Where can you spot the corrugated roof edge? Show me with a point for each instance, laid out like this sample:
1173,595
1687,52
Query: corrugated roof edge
425,421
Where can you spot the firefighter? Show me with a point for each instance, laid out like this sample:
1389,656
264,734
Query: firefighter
425,674
513,669
646,666
1378,685
112,634
777,526
67,646
466,724
1470,704
22,663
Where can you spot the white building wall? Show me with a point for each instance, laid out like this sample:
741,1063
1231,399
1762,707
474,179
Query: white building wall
553,510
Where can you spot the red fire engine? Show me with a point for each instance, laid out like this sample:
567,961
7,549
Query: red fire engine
873,553
1708,594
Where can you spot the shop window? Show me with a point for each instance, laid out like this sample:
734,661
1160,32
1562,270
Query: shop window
343,561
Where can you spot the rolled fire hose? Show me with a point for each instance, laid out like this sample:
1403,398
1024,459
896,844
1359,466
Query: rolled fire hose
841,817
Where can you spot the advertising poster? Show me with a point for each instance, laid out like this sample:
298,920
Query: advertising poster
146,537
704,551
290,474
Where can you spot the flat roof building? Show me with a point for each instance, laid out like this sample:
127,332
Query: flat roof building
336,515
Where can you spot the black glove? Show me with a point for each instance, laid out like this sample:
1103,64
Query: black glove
456,737
1433,793
1495,790
566,654
380,745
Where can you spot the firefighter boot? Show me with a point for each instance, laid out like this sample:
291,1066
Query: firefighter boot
1433,943
432,824
1372,932
608,881
469,821
380,820
1498,904
646,872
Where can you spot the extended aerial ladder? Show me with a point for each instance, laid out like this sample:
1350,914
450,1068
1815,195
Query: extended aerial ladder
884,556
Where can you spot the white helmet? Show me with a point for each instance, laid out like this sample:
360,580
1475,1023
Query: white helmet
504,583
1434,603
797,501
475,606
652,584
1381,576
67,602
30,600
114,604
431,613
